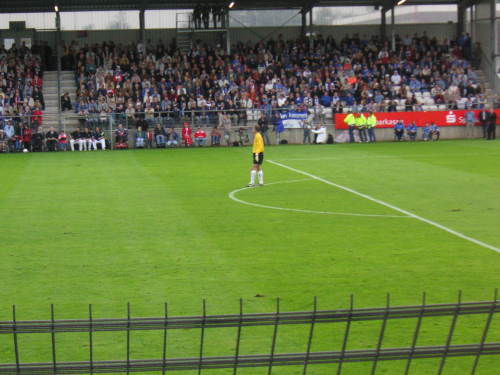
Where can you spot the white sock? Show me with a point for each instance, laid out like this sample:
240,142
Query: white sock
252,177
260,174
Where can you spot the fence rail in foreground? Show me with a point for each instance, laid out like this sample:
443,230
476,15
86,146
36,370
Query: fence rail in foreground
241,320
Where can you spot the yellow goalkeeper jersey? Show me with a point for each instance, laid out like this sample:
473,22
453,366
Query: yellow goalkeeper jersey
258,144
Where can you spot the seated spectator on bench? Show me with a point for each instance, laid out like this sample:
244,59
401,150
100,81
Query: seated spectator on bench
51,139
121,137
412,131
427,133
399,131
10,135
159,134
87,139
4,147
200,137
140,138
215,136
66,102
63,140
98,139
435,133
76,139
37,140
172,138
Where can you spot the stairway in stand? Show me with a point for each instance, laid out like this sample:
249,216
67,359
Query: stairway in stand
482,79
50,114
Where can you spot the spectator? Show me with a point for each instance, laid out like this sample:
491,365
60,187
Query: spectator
492,125
320,134
27,134
172,138
200,137
121,137
98,139
159,134
187,140
399,130
264,127
427,132
140,138
86,137
3,142
62,140
37,140
9,133
215,136
51,139
411,131
484,119
435,133
76,139
470,120
66,102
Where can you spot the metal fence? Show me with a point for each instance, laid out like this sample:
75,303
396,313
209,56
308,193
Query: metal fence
272,358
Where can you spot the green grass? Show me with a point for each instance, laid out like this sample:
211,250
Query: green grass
152,226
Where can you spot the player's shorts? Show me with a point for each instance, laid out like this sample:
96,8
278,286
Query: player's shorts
258,158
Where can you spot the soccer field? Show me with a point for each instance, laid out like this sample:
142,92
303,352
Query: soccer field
177,225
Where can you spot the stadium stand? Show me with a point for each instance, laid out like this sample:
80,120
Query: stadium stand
329,76
21,82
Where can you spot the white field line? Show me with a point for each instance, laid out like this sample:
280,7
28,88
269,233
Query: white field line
430,222
232,195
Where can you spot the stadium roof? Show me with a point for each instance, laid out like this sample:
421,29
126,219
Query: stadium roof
22,6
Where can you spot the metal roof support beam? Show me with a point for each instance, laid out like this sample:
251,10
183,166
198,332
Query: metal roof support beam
383,24
461,11
142,25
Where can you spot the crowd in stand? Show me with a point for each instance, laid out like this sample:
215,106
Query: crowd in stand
21,81
145,86
158,83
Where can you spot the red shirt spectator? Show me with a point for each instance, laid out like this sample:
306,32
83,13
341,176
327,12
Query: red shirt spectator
37,116
200,133
186,135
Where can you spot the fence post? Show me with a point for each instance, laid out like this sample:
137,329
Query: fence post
164,351
53,337
415,335
381,335
346,334
128,338
202,337
311,333
91,341
16,346
485,332
238,338
450,334
111,141
275,333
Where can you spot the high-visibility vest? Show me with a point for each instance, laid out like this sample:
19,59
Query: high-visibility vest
350,120
371,121
361,121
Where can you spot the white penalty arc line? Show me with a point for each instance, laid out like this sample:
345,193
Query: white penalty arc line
430,222
232,195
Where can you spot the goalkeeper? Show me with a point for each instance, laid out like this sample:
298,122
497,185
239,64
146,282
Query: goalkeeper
257,158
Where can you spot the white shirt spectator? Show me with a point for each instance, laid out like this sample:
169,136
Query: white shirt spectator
396,78
321,132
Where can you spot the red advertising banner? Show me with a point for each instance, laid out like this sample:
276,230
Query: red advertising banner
440,118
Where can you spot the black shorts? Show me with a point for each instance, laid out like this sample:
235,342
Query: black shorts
258,158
